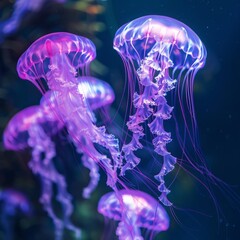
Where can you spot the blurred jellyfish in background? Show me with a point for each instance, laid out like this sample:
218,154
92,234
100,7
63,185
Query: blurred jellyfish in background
21,7
134,210
158,53
33,127
54,62
12,204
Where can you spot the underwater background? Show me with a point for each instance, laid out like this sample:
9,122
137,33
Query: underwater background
217,105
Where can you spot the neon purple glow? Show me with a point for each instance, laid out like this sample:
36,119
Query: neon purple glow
96,94
58,59
33,127
134,209
159,52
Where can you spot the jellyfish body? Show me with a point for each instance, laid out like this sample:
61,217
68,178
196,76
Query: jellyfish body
57,58
12,202
96,94
158,52
33,127
134,209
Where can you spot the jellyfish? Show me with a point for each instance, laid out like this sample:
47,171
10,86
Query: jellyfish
21,7
33,127
159,53
12,203
56,61
97,94
134,209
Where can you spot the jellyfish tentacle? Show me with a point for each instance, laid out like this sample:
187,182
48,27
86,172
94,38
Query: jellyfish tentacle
94,175
85,145
84,133
153,75
41,143
111,143
46,199
165,83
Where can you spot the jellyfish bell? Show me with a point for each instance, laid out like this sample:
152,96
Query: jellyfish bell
97,93
163,36
134,209
56,58
16,133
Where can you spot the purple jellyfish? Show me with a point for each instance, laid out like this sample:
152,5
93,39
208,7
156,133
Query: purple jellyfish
12,203
134,209
21,7
57,58
159,52
33,127
97,94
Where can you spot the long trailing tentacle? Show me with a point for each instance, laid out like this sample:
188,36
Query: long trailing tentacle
45,168
152,104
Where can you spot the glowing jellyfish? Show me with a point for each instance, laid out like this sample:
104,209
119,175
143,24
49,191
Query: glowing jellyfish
21,7
57,59
97,94
134,209
33,127
159,52
12,203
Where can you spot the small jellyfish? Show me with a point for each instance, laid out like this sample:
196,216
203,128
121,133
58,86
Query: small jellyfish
56,60
12,203
134,209
33,127
97,92
21,7
159,53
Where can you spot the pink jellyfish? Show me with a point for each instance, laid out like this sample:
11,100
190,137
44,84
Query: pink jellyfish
159,52
134,209
33,127
56,60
